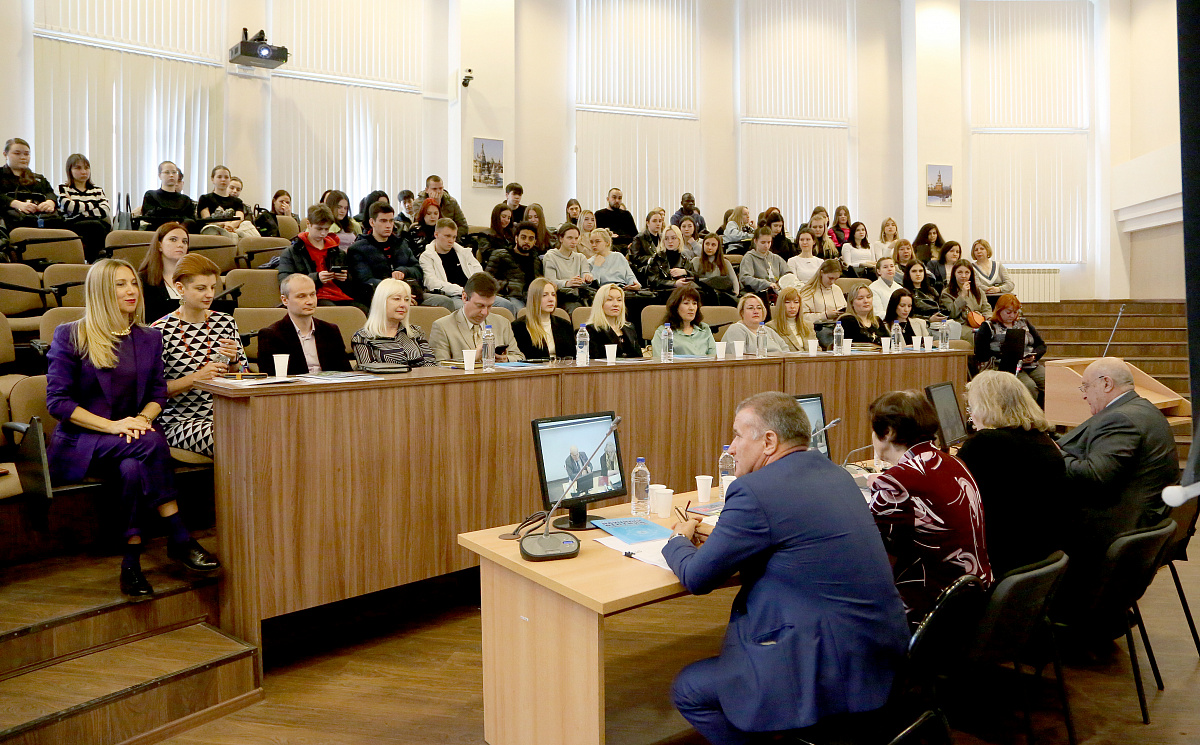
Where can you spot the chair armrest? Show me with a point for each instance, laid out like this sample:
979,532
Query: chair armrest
40,347
18,427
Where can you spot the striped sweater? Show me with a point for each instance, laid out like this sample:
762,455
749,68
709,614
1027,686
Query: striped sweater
80,203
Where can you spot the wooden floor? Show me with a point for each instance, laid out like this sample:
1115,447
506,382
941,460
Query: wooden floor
408,672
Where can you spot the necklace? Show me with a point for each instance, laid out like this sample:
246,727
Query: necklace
183,336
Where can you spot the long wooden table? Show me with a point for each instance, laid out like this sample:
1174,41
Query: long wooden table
326,491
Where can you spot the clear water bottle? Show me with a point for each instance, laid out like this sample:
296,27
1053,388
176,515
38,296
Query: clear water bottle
582,346
668,343
944,337
489,349
760,340
897,337
725,466
839,338
640,501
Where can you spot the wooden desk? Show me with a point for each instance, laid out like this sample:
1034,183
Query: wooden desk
326,491
543,632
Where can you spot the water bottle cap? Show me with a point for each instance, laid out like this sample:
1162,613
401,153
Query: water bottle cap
725,448
583,326
762,323
488,327
641,459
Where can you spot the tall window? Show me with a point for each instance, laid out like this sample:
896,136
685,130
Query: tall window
1030,108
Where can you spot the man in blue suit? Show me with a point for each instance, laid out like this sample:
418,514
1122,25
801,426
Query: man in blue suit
818,627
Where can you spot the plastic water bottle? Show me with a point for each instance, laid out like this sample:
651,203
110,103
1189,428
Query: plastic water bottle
582,347
839,337
897,338
668,343
725,466
489,348
640,502
760,340
944,337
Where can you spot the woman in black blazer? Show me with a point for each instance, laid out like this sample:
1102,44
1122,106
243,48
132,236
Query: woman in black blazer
530,331
608,325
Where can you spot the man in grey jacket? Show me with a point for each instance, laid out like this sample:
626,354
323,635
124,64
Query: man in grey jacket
447,205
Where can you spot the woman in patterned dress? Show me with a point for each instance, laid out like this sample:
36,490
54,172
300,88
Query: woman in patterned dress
927,506
198,344
388,335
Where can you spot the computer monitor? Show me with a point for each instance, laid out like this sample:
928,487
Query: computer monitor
563,445
814,406
952,428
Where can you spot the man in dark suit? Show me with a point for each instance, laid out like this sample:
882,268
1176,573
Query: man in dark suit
817,627
312,345
575,463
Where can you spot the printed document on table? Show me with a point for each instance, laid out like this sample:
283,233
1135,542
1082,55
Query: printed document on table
647,551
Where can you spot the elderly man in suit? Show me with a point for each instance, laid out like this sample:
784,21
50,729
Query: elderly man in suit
463,329
312,345
818,627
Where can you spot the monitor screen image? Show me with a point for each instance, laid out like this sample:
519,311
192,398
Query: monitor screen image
951,426
814,406
563,446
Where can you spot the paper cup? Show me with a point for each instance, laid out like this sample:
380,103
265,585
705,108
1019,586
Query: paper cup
847,345
610,353
281,365
927,342
665,498
739,347
469,360
887,344
720,350
704,489
813,346
653,492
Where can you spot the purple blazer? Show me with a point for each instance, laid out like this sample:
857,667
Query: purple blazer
72,381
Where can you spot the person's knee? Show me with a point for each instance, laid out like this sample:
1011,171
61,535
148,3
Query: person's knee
690,689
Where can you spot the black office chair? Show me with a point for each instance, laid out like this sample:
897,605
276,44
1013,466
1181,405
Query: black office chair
1176,550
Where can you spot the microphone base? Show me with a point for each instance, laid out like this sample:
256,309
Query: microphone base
543,547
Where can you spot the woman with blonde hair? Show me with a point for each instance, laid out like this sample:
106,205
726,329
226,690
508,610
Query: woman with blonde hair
105,386
789,320
859,321
990,275
889,233
823,301
539,333
1019,470
668,268
739,229
587,223
607,324
753,312
609,266
389,335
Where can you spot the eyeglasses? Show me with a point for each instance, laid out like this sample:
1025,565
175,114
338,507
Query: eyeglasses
1083,388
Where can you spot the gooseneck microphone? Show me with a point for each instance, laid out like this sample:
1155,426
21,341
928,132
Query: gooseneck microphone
852,452
1177,495
559,544
835,422
1114,330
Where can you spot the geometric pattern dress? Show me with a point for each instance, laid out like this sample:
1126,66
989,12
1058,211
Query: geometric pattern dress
187,419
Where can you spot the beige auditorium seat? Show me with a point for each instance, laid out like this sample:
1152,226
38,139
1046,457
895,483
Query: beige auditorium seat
288,227
8,355
425,315
260,287
720,315
67,250
55,317
250,320
254,251
652,317
849,283
347,318
23,309
220,250
557,312
129,245
580,315
504,312
57,274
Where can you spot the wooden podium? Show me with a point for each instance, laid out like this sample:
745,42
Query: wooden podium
1065,406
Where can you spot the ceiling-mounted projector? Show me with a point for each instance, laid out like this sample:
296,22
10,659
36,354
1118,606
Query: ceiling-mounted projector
256,52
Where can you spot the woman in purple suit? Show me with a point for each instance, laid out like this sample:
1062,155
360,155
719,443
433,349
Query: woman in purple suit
105,386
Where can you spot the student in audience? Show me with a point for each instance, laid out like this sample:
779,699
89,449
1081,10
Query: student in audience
738,230
691,243
198,344
753,312
941,269
883,287
390,336
167,247
826,248
926,505
496,237
221,213
781,246
345,228
857,254
84,206
27,197
569,270
859,322
587,223
805,264
962,297
668,268
842,229
899,309
616,219
645,244
691,336
318,254
989,274
822,299
447,205
714,272
928,242
608,266
902,252
687,208
235,186
166,203
889,233
989,339
539,333
105,386
312,345
515,267
512,199
789,321
364,206
380,254
572,210
761,270
545,239
420,233
1019,471
404,216
281,204
607,325
463,329
447,265
926,305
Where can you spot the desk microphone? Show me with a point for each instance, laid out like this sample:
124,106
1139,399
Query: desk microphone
1177,495
852,452
559,544
835,422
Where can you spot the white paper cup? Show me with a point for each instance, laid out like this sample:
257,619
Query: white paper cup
739,347
653,492
665,498
887,344
704,489
281,365
720,350
610,353
927,342
469,360
847,345
813,346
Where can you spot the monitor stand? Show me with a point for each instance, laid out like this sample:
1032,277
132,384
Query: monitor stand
577,519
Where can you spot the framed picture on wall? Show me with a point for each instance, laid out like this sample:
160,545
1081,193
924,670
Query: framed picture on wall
487,163
939,186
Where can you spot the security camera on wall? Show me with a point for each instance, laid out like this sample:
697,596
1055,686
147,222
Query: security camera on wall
256,52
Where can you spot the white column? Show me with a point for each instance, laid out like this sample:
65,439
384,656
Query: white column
718,107
16,58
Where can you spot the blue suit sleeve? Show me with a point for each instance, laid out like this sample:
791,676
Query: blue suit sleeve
741,533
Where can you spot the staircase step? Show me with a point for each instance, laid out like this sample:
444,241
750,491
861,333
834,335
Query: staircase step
1057,332
1128,350
1105,320
1113,306
147,689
